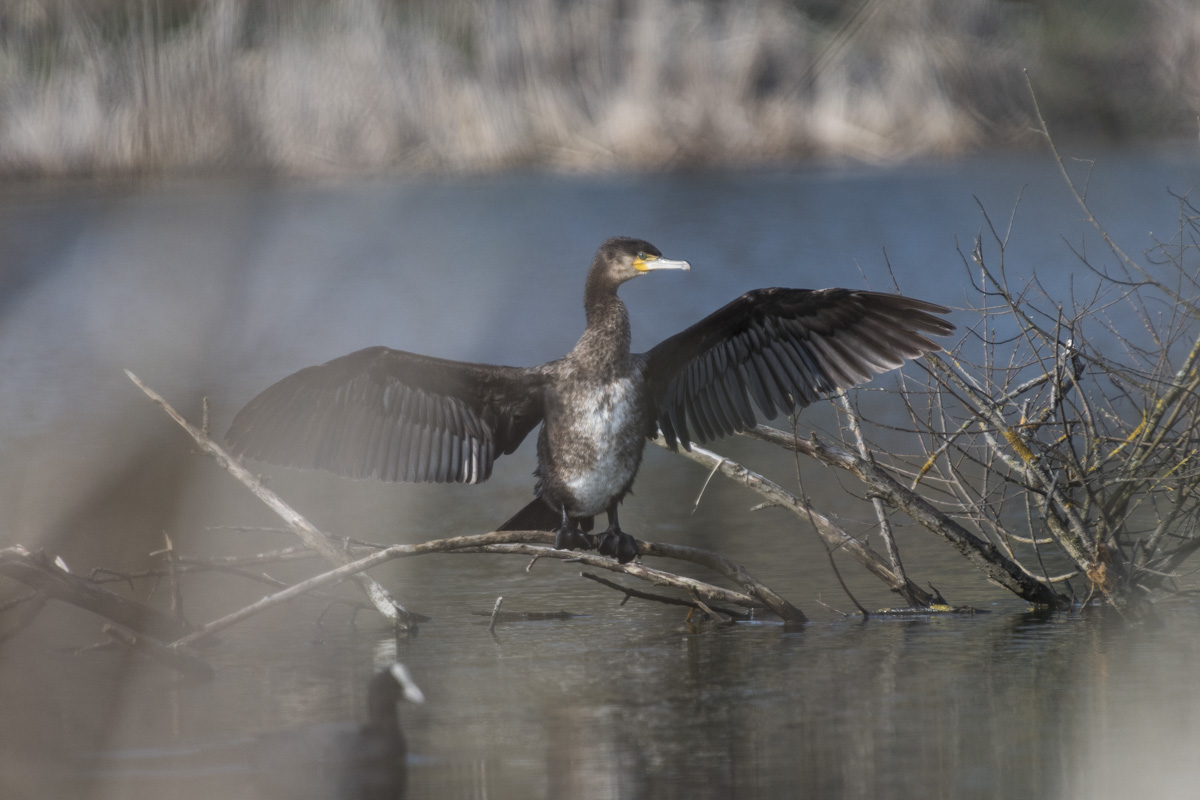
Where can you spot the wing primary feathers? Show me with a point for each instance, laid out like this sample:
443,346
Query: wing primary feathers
738,394
756,370
778,374
392,415
703,418
372,442
673,427
800,381
421,451
723,422
392,470
849,361
408,452
780,350
444,457
828,360
729,415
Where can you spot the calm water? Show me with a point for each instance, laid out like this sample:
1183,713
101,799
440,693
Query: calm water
219,288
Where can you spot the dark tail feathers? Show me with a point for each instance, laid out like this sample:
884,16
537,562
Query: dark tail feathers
537,516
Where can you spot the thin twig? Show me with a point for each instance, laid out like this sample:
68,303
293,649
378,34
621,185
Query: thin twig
831,532
829,550
629,592
495,613
982,554
176,660
885,525
313,538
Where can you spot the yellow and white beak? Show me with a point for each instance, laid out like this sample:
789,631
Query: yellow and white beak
648,263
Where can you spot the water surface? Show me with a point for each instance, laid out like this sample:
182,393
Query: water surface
219,287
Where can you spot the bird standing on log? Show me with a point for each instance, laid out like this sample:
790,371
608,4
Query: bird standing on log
399,416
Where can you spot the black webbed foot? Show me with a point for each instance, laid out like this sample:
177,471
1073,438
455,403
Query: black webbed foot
571,538
570,535
618,544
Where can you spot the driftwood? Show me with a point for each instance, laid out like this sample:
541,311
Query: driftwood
984,555
308,533
692,604
835,537
20,612
352,560
751,595
37,571
535,543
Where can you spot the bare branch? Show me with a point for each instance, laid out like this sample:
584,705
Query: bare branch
312,538
38,572
834,535
629,592
983,555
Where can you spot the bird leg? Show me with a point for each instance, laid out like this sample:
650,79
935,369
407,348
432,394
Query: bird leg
615,542
570,536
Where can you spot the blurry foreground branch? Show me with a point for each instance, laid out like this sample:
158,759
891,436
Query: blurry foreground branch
308,533
351,562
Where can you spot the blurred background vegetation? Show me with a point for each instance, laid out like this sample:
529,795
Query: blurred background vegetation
94,87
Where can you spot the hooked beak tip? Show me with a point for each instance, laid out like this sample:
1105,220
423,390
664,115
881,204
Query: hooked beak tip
666,263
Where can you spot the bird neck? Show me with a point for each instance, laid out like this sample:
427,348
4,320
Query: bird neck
604,309
605,341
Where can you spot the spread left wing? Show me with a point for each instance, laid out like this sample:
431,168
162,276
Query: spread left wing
392,415
781,349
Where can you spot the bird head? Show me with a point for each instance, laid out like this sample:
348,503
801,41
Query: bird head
621,258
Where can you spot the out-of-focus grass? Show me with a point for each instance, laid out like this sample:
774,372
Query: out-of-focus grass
307,86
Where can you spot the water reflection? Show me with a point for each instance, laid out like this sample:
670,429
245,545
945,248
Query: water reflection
633,704
221,288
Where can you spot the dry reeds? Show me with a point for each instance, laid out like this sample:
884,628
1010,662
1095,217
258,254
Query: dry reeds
306,87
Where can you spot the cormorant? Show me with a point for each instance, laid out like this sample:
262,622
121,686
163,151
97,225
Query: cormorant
343,760
398,416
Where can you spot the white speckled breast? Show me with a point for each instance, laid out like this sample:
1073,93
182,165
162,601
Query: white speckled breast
609,432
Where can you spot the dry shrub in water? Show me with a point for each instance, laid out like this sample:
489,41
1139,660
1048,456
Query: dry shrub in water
1064,428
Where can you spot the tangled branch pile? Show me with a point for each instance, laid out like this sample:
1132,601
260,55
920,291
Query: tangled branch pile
1070,441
